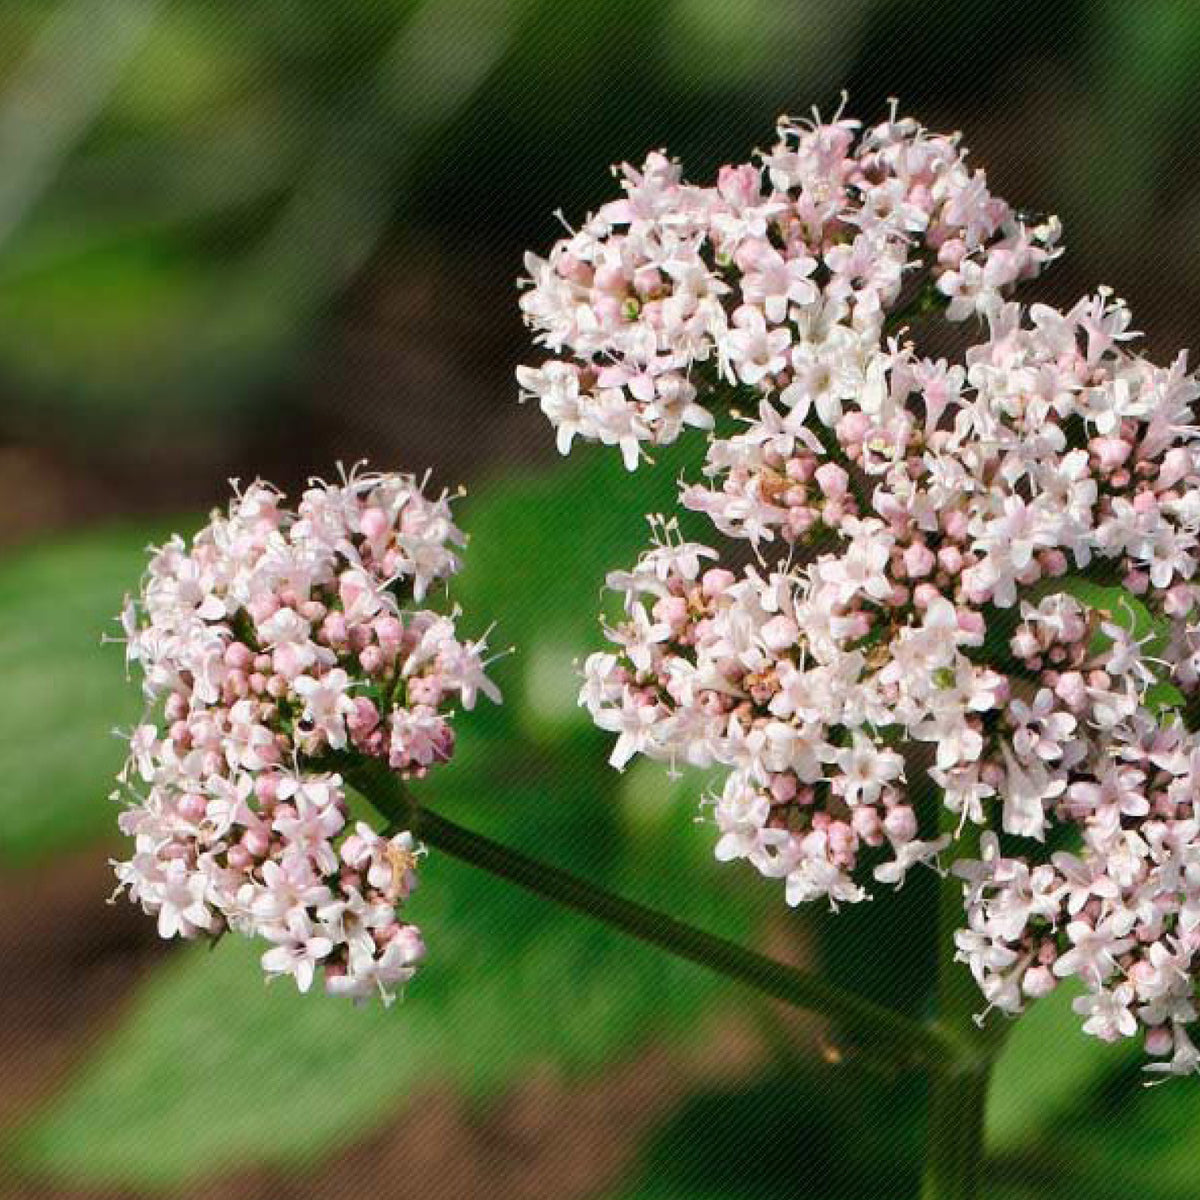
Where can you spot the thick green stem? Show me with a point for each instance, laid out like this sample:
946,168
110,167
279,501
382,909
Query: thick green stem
888,1034
953,1167
954,1138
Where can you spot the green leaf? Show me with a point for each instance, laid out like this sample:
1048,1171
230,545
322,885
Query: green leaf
1047,1068
211,1067
64,693
540,548
1069,1115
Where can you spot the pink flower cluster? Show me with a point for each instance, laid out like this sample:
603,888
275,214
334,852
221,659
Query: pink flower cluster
272,642
984,579
779,278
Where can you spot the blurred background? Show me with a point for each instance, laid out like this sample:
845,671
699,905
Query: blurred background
261,238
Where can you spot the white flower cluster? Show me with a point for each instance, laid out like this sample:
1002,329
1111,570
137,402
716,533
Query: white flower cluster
778,278
984,578
273,641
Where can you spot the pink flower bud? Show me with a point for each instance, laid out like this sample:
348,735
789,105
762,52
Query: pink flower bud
256,842
867,825
1054,563
715,580
192,807
833,480
900,823
1024,644
1178,600
739,185
1038,982
266,788
853,427
412,946
950,559
1176,466
671,610
954,525
390,633
611,279
374,524
239,858
262,608
364,717
1160,1041
1110,452
918,560
924,594
801,469
783,788
238,655
971,623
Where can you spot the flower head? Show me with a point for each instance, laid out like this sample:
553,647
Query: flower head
269,645
912,622
778,277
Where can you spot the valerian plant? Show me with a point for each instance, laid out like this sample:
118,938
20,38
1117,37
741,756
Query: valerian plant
952,624
970,580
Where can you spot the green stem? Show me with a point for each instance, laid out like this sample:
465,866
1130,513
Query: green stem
954,1138
890,1034
953,1168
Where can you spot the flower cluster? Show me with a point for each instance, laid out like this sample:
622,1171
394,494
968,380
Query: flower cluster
270,644
779,278
983,585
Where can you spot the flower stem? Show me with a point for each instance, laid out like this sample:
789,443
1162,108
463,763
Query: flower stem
954,1137
953,1167
888,1034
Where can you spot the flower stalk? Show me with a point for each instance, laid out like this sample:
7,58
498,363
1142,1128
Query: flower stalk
889,1035
958,1084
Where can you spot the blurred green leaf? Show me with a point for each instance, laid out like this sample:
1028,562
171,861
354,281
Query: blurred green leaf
1047,1068
1070,1115
64,693
212,1068
116,311
541,546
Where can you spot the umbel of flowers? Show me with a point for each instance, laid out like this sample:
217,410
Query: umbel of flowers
975,574
271,641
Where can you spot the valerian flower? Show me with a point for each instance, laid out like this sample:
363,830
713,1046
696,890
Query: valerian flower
271,641
913,615
779,276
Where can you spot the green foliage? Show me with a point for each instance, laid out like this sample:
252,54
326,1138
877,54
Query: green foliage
64,693
540,549
212,1066
1061,1079
1069,1115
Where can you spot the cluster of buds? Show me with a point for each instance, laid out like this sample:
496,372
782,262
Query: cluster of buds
922,621
779,278
271,644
